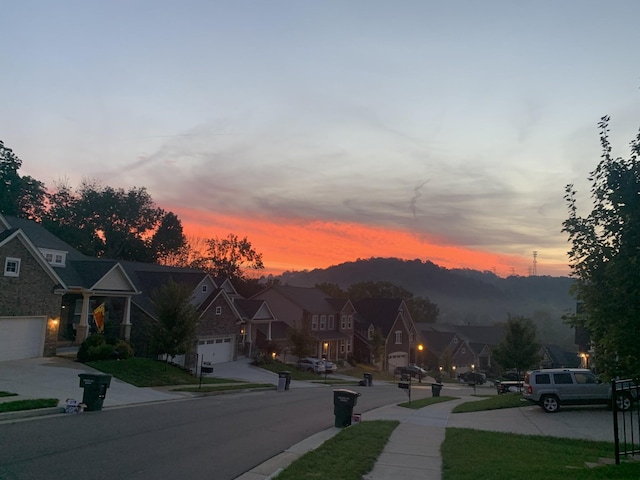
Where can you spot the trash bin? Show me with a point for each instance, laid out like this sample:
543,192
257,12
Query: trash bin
284,380
435,389
95,389
343,403
368,379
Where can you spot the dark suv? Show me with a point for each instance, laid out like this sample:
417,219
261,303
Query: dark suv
553,387
413,370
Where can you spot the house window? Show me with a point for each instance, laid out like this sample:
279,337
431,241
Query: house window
204,289
343,322
398,337
348,345
411,337
349,321
341,346
314,322
455,340
12,267
323,322
370,332
332,323
218,310
464,350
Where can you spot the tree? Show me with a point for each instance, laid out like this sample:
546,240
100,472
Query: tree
113,223
177,319
230,256
19,196
377,346
519,348
420,308
332,290
301,341
605,259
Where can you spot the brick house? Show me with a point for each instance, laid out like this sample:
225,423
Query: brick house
391,317
330,321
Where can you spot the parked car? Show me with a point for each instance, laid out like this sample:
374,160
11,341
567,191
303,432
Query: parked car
507,386
513,376
552,387
411,369
329,367
472,378
311,364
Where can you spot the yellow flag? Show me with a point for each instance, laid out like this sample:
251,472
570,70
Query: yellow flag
98,316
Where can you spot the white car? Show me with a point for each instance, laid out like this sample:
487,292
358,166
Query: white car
311,364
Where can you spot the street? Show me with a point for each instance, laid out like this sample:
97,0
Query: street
218,437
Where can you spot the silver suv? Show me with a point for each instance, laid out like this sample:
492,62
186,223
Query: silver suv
553,387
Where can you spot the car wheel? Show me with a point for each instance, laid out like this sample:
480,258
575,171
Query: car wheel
623,402
550,403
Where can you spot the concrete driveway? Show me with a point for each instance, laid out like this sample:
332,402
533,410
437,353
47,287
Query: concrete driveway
585,422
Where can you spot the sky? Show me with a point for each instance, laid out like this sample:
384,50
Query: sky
331,131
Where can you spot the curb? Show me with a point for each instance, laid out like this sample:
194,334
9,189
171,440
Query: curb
36,412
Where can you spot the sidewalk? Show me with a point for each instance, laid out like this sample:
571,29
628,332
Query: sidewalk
412,452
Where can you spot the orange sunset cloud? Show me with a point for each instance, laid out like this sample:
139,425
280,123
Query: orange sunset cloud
295,245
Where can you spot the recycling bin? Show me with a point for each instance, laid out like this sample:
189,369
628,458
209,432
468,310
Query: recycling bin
343,402
368,379
95,387
284,380
435,389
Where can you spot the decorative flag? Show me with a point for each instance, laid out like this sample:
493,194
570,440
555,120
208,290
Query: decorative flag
98,316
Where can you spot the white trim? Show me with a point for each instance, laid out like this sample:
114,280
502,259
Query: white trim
12,267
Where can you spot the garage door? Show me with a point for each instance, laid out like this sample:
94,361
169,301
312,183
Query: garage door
398,359
21,337
216,350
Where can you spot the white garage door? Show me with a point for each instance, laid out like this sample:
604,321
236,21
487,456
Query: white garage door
398,359
21,337
216,350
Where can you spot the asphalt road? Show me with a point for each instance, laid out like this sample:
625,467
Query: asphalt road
217,437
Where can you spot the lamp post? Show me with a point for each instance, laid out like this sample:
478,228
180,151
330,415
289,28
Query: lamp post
420,349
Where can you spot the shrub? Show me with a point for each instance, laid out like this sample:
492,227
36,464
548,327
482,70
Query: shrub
123,350
96,347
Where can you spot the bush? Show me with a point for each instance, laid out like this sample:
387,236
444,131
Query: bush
96,347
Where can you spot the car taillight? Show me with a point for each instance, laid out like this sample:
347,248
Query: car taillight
529,390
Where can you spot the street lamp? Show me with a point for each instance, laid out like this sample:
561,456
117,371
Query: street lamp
420,349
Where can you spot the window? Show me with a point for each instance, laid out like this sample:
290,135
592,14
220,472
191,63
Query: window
341,346
204,289
349,321
370,332
543,379
463,350
54,257
562,378
218,310
314,322
12,267
323,322
398,336
332,323
411,337
343,322
348,345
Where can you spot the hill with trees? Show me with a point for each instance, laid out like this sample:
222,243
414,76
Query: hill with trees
463,296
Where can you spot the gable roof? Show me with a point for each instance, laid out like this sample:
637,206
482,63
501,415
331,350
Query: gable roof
310,299
381,312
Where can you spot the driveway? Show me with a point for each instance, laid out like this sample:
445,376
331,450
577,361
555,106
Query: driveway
585,423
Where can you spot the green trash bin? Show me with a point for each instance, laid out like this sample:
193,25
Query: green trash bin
435,389
95,387
343,402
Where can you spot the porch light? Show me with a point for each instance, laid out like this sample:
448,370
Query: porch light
273,355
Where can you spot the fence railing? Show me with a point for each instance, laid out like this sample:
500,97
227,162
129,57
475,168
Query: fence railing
626,418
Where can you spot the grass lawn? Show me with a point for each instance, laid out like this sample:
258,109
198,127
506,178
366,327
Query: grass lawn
493,402
343,456
145,372
476,455
30,404
425,402
276,367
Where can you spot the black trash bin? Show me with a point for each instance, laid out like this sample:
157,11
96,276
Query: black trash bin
284,380
95,389
343,403
368,379
435,389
